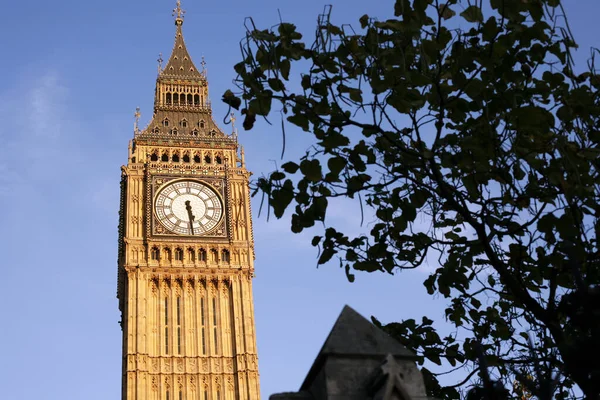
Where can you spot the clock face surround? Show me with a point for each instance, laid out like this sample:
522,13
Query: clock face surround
188,207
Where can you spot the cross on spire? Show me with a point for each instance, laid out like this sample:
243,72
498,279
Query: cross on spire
137,120
178,12
203,65
160,61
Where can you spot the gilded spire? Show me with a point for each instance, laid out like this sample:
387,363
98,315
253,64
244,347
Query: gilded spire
180,64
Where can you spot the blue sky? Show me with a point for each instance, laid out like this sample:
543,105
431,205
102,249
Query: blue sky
71,76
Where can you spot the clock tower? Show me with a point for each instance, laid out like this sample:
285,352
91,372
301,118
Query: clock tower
186,252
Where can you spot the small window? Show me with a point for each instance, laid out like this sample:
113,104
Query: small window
156,130
168,98
197,159
202,255
225,256
154,254
214,255
175,158
207,159
183,123
194,132
189,99
154,157
175,98
166,122
201,124
196,100
165,157
186,158
174,131
218,160
168,254
191,253
178,254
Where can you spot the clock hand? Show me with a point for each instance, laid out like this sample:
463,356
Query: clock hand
188,207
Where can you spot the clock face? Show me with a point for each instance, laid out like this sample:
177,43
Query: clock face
188,207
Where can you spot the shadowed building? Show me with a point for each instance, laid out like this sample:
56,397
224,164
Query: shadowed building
359,362
186,252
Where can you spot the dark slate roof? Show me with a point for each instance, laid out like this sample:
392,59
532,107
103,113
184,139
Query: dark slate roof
180,63
353,335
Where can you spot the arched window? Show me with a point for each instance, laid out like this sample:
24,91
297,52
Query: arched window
191,255
154,157
214,255
175,98
197,100
201,124
174,131
167,252
207,159
165,157
168,98
175,157
202,255
189,99
186,158
166,122
225,256
218,160
156,130
197,159
178,254
183,123
195,132
154,254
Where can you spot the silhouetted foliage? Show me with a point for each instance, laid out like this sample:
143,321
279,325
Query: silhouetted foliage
471,116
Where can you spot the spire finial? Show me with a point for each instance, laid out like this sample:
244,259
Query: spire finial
178,13
160,61
203,65
232,119
137,116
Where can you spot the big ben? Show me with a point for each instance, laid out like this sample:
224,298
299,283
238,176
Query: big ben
186,253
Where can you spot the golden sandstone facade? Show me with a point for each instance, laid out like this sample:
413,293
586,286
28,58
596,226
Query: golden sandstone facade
186,252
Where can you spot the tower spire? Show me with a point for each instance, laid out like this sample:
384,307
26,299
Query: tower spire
180,64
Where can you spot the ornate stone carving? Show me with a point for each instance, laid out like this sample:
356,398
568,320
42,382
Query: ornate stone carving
156,150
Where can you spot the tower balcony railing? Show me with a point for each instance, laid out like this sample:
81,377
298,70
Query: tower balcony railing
206,106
